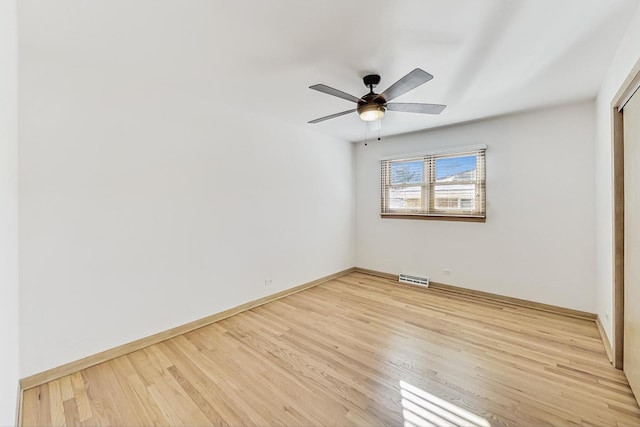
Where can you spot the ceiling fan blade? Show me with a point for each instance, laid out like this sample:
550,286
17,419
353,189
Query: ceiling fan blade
416,108
335,92
411,81
333,116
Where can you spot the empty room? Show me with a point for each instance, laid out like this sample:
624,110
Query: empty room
330,213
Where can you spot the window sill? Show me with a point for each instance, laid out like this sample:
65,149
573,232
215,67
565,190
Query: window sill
436,217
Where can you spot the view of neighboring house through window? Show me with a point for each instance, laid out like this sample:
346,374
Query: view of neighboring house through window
443,184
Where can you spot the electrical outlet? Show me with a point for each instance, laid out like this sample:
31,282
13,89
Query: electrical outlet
268,282
446,272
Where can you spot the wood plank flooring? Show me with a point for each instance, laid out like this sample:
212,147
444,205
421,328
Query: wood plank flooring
358,350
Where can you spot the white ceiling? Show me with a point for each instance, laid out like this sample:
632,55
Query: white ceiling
489,57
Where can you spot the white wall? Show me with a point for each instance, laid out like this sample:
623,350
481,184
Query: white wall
627,55
8,212
143,206
538,240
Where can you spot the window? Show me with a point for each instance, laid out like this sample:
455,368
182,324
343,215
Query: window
443,185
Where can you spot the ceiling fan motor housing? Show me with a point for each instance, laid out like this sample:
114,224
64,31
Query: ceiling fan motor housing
371,107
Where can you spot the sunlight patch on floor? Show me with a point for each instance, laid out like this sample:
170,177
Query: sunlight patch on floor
420,408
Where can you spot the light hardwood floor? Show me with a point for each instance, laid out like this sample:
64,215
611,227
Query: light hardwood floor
358,350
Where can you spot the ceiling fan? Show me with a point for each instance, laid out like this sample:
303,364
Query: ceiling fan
372,106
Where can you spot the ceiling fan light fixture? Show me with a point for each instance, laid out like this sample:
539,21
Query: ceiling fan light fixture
371,112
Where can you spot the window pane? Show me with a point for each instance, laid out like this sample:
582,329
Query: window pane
407,172
455,197
405,198
451,169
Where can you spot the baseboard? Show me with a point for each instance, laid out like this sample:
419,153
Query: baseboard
495,297
605,340
377,273
517,301
86,362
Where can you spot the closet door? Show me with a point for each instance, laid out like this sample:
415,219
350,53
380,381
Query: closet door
631,118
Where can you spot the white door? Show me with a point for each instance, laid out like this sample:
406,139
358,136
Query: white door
631,118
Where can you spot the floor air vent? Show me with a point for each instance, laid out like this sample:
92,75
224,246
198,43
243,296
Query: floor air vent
415,280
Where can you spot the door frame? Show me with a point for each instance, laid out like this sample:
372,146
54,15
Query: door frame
626,90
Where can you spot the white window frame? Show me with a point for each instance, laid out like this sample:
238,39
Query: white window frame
428,209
